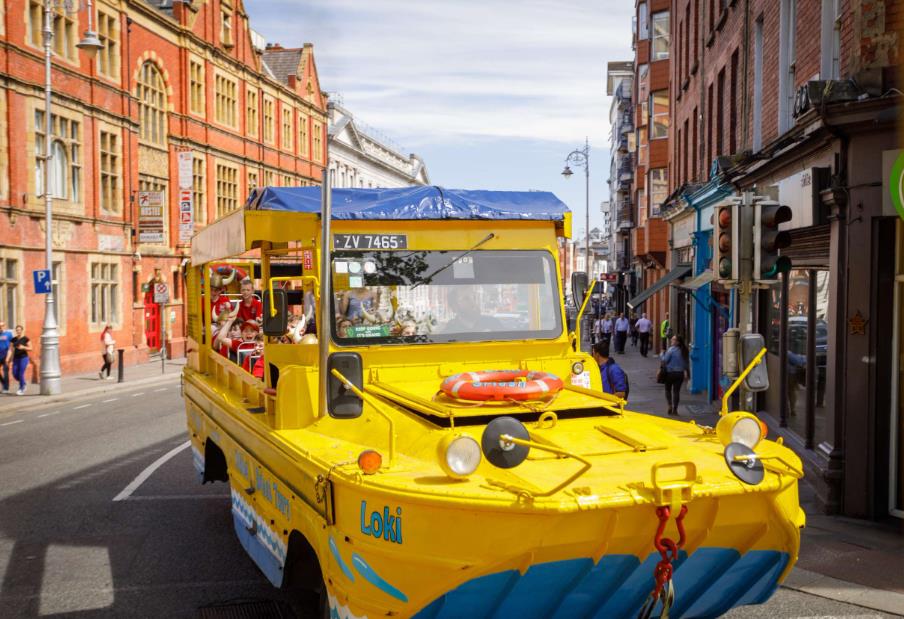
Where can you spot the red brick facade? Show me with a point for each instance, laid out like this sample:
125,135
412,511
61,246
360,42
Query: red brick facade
169,79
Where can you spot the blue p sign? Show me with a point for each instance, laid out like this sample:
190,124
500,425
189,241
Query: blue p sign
43,282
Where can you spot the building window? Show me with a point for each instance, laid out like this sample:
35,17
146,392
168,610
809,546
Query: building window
286,127
9,291
226,93
303,135
317,132
733,105
104,293
108,56
660,50
643,26
198,188
641,208
642,147
109,172
227,189
830,40
757,142
226,34
659,108
787,63
196,86
288,181
268,119
65,163
269,180
151,95
63,30
251,112
659,189
252,182
720,113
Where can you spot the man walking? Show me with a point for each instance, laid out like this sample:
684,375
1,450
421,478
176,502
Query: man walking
644,326
606,329
622,325
6,340
615,381
665,332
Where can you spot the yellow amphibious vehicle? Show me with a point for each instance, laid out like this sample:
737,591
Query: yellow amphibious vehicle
421,435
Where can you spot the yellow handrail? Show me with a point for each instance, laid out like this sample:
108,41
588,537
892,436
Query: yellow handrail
577,320
737,382
542,447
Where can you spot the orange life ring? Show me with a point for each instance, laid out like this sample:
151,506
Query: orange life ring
501,385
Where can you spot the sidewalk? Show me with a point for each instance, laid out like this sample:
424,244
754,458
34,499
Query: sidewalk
854,561
80,385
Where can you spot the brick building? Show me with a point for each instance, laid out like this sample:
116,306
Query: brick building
799,101
189,77
649,235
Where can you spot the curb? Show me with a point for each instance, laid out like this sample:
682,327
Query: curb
31,402
830,588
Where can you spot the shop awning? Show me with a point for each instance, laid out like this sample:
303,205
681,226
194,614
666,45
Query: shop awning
698,282
676,273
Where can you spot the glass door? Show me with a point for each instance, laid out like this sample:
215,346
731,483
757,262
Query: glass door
896,461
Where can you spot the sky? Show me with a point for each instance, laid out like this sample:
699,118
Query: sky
492,94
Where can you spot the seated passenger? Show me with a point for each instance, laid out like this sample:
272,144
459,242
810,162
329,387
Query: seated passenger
229,344
250,307
467,317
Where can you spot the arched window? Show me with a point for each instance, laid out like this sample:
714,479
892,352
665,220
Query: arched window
59,167
151,94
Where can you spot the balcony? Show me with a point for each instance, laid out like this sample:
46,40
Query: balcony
626,120
623,143
626,168
624,219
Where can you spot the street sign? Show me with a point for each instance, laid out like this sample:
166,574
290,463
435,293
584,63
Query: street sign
151,225
608,277
161,293
185,157
43,283
186,216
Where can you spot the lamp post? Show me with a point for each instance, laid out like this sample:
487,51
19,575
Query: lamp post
50,337
581,157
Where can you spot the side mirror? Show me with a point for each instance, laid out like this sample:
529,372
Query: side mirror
579,284
750,346
341,402
275,325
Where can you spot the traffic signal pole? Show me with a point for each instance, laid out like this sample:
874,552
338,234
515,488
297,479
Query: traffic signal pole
745,278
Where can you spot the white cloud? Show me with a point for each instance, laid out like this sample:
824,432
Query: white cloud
454,70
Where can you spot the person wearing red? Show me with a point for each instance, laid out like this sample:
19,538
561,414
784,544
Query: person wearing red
218,302
250,307
247,342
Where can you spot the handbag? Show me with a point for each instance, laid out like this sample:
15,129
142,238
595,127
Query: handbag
660,374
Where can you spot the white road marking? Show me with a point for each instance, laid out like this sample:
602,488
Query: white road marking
179,497
143,476
135,395
162,389
48,414
110,400
9,423
82,406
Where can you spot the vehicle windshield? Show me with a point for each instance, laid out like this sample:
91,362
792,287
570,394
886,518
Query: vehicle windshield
444,296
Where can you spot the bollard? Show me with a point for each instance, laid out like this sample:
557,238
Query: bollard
120,351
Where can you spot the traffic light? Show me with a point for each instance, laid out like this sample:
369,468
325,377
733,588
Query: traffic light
768,240
726,241
749,346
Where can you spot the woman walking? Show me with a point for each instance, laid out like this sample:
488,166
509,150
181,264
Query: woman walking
675,365
107,344
21,346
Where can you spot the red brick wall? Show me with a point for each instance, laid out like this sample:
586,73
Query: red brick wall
84,232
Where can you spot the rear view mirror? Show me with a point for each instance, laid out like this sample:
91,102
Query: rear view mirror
749,347
342,402
579,284
275,326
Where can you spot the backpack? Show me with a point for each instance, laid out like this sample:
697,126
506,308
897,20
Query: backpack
627,383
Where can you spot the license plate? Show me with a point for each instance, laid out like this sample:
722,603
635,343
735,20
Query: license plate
370,241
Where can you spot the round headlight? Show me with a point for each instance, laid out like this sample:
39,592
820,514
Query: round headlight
459,456
740,427
577,367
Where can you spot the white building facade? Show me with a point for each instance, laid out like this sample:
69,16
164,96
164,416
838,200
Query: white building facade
359,159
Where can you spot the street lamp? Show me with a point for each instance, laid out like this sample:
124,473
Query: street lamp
581,157
50,337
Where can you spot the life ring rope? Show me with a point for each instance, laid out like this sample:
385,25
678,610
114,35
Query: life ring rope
500,385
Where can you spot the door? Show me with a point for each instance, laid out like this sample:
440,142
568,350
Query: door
896,451
151,321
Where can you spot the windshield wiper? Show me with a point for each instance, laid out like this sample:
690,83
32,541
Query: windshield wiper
430,277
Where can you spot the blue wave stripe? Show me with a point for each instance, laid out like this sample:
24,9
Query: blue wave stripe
342,565
371,576
708,583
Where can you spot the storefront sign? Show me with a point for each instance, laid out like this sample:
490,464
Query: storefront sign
893,166
151,221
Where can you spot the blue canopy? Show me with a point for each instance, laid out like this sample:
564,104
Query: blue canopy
424,202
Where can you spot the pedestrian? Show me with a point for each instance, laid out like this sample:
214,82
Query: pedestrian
597,331
21,346
665,331
622,325
606,329
250,307
107,345
674,362
6,354
615,381
633,329
644,326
